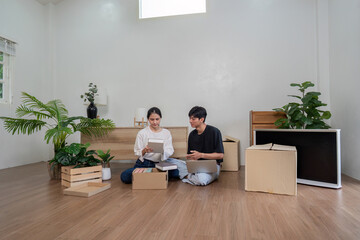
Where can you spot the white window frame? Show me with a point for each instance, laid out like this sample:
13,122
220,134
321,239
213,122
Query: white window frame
8,48
6,81
164,8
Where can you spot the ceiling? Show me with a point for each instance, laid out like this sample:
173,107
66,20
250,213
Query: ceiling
49,1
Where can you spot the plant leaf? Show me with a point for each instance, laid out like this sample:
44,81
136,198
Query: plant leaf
295,96
95,127
307,84
326,115
24,126
35,103
23,110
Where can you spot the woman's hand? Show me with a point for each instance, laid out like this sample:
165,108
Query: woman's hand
147,149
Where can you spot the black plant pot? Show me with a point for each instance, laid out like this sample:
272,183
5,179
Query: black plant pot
92,111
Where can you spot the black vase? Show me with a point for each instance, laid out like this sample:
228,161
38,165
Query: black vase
92,111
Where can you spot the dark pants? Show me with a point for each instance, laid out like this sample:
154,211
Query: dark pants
126,176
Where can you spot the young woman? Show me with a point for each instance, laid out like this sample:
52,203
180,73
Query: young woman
147,158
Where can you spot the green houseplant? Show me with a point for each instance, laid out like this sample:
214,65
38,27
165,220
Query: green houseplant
306,114
105,159
77,155
33,115
90,95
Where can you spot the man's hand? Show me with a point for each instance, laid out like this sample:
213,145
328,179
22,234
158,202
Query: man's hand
195,155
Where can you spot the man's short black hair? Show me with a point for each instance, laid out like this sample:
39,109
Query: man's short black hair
198,112
154,110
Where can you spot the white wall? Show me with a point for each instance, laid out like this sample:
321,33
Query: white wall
25,22
345,75
239,56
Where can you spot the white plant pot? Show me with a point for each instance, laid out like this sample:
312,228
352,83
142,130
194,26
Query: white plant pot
106,173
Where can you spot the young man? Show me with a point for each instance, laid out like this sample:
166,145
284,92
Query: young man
205,142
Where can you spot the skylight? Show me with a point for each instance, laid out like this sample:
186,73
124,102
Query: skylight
162,8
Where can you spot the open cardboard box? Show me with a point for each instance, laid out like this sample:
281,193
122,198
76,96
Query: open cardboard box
150,180
271,168
231,154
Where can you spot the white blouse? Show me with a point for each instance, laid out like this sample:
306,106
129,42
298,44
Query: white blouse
142,139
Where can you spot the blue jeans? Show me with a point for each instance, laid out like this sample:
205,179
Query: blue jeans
126,176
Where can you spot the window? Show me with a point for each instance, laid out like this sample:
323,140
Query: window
2,81
161,8
7,52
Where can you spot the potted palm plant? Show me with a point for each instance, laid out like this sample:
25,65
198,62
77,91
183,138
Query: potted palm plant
53,116
105,159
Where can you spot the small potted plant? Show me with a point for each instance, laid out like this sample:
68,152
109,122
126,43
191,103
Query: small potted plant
90,96
105,159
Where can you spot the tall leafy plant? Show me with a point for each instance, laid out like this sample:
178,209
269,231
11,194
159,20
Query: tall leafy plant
306,114
33,115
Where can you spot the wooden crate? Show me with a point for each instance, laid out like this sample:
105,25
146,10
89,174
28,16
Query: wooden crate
71,176
263,120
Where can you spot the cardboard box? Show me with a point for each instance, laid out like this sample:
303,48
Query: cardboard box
150,180
231,154
271,168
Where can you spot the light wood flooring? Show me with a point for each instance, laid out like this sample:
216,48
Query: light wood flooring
33,207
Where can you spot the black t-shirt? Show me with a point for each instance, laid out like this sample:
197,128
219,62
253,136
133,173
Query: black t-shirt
210,141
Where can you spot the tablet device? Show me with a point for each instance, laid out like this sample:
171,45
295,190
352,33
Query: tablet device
157,145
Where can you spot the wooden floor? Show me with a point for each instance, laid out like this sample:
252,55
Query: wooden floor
33,207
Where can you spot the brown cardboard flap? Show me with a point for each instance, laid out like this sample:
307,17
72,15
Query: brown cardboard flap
261,147
231,139
270,146
283,147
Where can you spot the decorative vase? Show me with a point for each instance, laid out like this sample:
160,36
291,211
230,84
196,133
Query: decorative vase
92,111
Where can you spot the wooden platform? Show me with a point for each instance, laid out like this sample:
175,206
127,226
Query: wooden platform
33,207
